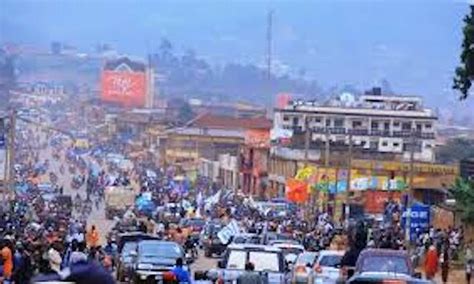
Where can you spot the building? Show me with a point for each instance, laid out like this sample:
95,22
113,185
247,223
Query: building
385,126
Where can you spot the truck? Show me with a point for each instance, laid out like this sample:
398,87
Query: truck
117,200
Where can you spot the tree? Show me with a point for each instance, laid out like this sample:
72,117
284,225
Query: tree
465,72
463,193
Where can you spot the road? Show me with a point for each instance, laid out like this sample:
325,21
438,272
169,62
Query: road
97,217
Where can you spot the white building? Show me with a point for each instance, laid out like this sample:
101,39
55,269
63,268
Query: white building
375,123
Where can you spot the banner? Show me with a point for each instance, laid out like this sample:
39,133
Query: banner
125,88
375,200
296,191
232,229
257,138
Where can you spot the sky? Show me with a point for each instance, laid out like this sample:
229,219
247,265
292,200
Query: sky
414,44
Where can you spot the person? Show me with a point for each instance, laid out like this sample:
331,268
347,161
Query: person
431,263
249,276
468,257
93,237
7,258
182,275
55,260
445,261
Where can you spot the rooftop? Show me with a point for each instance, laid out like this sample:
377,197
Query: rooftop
227,122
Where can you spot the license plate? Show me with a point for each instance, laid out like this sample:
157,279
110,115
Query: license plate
159,277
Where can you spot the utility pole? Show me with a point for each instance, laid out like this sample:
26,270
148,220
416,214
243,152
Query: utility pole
326,166
348,176
307,138
410,190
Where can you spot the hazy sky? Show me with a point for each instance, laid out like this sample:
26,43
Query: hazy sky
414,44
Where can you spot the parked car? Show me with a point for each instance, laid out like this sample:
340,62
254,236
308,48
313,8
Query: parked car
382,264
328,265
303,269
268,261
210,241
154,258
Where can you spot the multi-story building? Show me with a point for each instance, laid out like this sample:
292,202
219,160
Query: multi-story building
375,124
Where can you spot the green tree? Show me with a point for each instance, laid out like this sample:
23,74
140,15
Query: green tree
463,193
465,72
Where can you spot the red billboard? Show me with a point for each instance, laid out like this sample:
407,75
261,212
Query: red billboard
125,88
375,200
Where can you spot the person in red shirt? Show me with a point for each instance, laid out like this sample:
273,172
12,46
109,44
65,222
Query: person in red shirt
7,258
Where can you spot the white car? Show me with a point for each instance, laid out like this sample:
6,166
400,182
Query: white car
327,267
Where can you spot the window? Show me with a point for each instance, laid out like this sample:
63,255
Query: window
428,126
428,146
418,127
396,144
384,143
317,119
356,124
406,126
286,118
328,122
396,124
386,126
339,122
362,143
295,121
374,125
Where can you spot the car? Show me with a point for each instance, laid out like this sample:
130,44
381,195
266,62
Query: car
328,265
380,264
210,241
303,269
126,261
154,258
268,262
382,278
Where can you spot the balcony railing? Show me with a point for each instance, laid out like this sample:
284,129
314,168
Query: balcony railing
365,132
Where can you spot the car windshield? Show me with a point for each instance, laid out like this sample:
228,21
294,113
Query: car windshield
128,248
158,249
385,264
330,260
263,261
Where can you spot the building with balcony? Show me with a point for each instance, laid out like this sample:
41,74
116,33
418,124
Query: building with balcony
388,127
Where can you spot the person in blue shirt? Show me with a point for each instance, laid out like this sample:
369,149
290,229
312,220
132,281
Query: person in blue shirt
182,275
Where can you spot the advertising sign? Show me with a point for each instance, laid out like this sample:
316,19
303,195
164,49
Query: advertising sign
419,218
125,88
375,200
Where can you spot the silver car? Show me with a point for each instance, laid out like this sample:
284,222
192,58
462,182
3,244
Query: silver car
327,267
